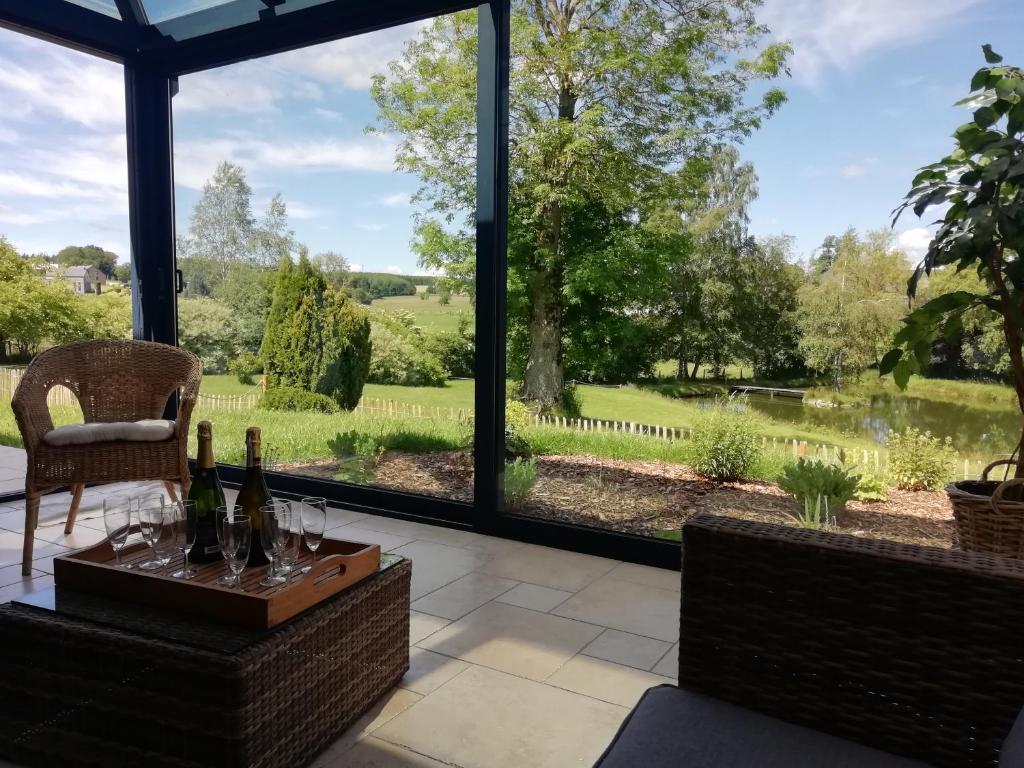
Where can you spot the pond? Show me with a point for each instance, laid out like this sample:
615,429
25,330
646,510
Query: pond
984,433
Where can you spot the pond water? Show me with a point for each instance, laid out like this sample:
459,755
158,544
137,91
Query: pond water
985,433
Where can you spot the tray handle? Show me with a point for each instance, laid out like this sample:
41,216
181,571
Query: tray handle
333,572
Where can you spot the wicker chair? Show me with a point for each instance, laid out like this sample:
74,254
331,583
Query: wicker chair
113,381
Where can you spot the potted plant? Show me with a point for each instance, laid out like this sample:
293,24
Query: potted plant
982,183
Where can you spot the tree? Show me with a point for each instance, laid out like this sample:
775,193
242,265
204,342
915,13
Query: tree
123,273
606,100
769,284
848,315
316,339
206,328
982,183
335,268
87,255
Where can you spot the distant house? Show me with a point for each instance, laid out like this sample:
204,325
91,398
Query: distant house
83,279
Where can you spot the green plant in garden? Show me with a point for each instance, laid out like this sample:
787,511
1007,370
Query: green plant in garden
295,399
919,461
725,443
359,452
245,367
520,477
517,419
814,515
345,359
981,184
871,487
810,480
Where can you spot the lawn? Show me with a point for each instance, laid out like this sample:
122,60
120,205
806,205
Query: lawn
431,314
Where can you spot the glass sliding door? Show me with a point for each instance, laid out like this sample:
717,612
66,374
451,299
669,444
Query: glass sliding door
326,289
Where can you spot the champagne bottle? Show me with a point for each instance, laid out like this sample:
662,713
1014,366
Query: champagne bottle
254,494
207,494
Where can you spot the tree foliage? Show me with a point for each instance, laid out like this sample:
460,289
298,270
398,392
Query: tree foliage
87,255
848,315
606,101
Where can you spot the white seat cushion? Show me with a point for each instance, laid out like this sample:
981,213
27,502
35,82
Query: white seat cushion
145,431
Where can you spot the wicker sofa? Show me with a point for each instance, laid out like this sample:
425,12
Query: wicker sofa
801,648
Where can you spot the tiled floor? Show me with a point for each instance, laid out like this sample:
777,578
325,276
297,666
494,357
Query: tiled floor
522,655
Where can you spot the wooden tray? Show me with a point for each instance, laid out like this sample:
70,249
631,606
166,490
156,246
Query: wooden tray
339,564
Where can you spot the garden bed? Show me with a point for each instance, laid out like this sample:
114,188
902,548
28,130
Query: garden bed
652,497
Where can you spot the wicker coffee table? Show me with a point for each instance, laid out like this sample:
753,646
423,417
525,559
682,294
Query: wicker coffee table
86,681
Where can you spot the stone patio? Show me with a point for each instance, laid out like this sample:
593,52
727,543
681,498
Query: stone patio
522,655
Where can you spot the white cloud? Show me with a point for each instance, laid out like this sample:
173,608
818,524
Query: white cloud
832,35
195,161
240,88
301,211
9,215
355,267
328,114
38,78
395,270
914,242
395,200
853,169
371,227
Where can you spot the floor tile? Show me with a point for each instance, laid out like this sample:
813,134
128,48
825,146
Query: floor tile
16,590
353,532
81,536
11,545
569,571
11,574
487,719
414,530
669,664
534,597
628,606
422,625
374,753
628,649
512,639
396,701
434,565
645,574
429,671
493,545
463,595
604,680
338,517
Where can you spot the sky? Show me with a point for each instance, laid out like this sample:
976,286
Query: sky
870,100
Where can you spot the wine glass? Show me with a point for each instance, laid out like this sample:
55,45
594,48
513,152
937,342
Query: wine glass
292,540
274,536
183,527
234,533
151,523
313,514
117,519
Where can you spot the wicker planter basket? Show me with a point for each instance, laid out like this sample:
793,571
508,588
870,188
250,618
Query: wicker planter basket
984,521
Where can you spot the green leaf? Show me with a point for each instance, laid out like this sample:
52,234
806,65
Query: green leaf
991,56
889,361
902,372
948,302
980,79
985,117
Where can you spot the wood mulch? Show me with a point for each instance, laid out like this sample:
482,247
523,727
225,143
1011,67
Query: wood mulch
648,496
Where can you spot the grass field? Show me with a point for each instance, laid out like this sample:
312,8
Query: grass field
431,315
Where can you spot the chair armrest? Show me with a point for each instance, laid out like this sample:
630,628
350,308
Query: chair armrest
31,411
908,649
188,394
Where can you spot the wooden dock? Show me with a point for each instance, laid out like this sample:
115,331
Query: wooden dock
742,389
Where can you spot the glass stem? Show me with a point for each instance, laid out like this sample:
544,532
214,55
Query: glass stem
117,556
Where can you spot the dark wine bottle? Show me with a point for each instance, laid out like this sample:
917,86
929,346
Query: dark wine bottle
254,494
207,494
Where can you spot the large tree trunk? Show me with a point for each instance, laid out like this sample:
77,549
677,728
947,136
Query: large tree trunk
544,379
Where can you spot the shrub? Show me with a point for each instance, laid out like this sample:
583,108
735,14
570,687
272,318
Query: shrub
808,481
871,487
399,358
919,461
347,350
456,350
245,367
571,405
815,514
517,419
520,476
206,328
359,453
295,399
725,444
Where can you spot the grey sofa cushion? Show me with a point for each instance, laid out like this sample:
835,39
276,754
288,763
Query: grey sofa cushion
1012,753
674,728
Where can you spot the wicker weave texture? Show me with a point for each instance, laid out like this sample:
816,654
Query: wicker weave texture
74,693
985,520
915,651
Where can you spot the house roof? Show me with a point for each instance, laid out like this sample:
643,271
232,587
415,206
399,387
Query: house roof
77,271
